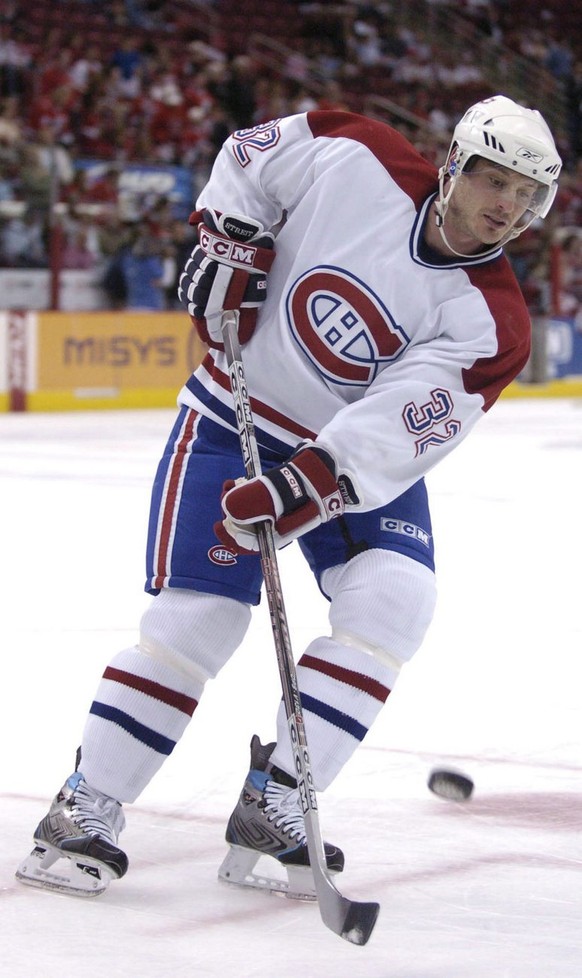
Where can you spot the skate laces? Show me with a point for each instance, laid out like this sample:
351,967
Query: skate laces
282,809
95,813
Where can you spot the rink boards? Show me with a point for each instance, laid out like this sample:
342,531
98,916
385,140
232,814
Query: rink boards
63,361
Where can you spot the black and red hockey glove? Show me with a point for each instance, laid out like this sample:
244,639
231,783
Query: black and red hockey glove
294,497
226,270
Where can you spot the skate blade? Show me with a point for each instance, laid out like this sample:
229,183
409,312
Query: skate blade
238,865
77,875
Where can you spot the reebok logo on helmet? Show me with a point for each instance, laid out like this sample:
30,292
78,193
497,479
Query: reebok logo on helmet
528,154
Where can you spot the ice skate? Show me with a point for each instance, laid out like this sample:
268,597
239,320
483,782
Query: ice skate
75,844
268,821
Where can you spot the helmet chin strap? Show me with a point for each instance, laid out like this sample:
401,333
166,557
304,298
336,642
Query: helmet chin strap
441,205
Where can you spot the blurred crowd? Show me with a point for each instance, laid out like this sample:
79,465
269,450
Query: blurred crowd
144,82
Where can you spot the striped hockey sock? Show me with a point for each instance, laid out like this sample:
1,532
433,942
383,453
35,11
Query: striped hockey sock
342,692
140,711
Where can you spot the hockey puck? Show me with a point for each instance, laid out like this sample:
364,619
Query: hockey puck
450,785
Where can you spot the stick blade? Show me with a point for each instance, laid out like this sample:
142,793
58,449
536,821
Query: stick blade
350,919
359,922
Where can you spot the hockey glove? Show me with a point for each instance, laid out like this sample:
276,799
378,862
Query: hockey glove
226,270
294,497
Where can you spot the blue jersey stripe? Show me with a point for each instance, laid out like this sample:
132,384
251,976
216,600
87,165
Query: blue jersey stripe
336,717
147,736
228,415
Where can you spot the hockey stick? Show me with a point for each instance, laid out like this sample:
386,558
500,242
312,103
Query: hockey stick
349,919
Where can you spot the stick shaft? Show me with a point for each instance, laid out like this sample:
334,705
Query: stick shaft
351,920
273,588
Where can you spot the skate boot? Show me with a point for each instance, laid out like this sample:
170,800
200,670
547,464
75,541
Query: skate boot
80,830
268,821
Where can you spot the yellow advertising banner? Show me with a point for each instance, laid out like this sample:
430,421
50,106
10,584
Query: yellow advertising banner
63,361
112,358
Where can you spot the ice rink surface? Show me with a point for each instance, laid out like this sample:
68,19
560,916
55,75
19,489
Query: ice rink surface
491,888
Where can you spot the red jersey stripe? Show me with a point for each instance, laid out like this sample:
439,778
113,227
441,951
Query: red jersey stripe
171,498
355,679
186,704
260,409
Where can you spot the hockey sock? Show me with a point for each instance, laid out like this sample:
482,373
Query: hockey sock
140,711
381,605
342,692
148,693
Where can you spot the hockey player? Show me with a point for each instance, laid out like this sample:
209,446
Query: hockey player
380,320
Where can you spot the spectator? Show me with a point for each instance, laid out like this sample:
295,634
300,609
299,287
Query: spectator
115,239
34,180
55,111
54,158
10,156
10,122
128,58
573,90
366,44
559,58
76,252
15,60
143,271
6,183
158,219
88,66
529,257
570,277
114,234
22,241
238,94
183,238
55,72
96,187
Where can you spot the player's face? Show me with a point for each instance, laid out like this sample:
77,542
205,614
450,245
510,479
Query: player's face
486,204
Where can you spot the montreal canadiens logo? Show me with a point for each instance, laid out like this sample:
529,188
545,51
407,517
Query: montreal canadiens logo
342,327
222,556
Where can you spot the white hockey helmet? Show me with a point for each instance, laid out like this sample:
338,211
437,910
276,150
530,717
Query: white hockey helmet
500,130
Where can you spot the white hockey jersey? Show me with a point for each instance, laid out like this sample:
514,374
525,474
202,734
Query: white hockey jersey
384,351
